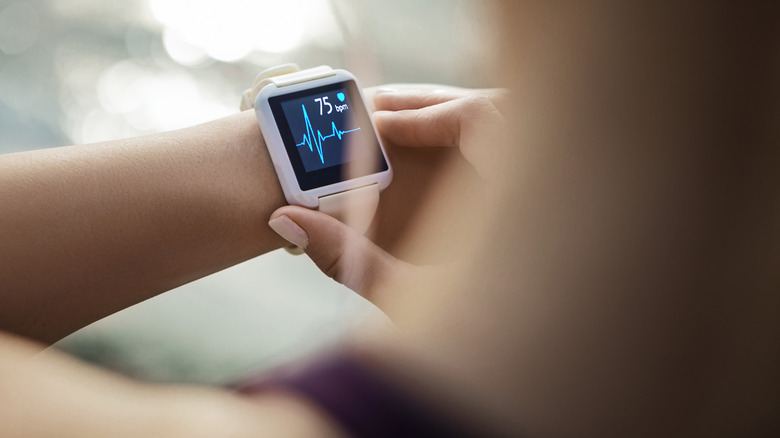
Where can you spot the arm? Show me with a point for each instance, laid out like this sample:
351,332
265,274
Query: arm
89,230
52,395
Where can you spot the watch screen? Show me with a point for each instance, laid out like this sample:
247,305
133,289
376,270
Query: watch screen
326,131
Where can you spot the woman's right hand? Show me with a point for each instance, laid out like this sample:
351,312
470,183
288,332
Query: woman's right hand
440,116
409,116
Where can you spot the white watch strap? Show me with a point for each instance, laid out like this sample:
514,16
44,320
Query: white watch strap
297,77
282,76
354,207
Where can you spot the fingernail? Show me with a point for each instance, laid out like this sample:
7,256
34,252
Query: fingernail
384,90
290,231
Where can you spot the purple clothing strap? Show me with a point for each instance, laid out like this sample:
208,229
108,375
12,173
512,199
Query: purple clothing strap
364,403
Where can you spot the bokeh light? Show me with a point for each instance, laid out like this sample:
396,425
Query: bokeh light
19,28
229,30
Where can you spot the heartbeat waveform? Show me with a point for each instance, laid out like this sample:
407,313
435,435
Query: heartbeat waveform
314,140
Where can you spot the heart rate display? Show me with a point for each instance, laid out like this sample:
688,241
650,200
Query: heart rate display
323,127
314,139
325,130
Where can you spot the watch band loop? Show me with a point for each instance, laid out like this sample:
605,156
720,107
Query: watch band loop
354,207
263,79
282,76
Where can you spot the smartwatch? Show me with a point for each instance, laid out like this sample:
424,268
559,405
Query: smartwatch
322,141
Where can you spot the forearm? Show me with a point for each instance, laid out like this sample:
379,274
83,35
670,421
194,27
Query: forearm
53,395
89,230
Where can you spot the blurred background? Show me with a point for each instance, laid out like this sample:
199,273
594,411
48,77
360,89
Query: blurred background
83,71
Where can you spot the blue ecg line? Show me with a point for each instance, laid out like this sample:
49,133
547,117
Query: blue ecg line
312,140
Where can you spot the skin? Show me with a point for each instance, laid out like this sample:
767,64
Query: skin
188,203
126,220
54,395
620,276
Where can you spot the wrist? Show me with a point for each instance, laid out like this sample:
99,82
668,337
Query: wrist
252,191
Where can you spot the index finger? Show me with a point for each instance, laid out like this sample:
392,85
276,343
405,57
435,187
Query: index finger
406,99
435,125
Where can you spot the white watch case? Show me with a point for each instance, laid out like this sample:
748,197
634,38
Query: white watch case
291,83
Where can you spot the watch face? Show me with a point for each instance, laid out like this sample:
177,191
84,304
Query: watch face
327,132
